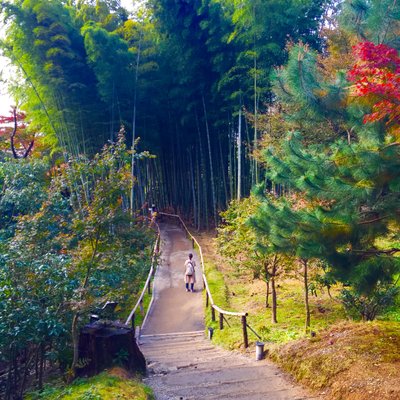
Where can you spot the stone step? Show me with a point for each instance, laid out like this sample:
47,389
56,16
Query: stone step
145,341
282,394
183,354
197,360
203,365
181,378
176,348
226,389
211,373
172,336
167,345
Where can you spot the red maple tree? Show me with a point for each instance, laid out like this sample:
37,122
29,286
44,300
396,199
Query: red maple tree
13,129
376,77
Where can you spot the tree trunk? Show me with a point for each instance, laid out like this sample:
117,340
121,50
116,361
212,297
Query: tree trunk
9,385
75,319
267,278
274,318
239,156
230,163
255,144
211,164
193,184
41,365
28,357
223,171
203,174
75,344
306,299
198,189
134,128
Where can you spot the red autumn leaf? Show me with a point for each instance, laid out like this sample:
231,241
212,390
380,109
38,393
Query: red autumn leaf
376,77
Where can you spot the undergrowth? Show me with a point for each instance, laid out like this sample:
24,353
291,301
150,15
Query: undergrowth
343,359
355,360
99,387
249,296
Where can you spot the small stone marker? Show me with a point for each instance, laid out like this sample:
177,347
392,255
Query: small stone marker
259,351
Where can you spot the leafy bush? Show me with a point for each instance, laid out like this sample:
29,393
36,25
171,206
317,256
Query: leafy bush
70,245
368,307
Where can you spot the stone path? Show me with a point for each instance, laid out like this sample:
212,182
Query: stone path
182,363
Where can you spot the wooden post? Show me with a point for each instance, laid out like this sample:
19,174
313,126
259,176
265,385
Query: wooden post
206,299
141,307
244,326
133,324
149,288
193,242
212,314
221,321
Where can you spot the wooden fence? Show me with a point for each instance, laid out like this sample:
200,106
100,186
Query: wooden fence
147,285
209,299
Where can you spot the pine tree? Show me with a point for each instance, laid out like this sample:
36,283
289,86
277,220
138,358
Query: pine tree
343,202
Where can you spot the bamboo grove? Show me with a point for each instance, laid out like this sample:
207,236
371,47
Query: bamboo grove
284,114
181,75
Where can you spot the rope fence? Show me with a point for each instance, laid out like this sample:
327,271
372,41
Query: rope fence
209,299
147,285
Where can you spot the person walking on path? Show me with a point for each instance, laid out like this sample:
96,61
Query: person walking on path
153,214
190,273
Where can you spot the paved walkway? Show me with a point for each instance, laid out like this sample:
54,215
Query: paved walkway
174,309
182,363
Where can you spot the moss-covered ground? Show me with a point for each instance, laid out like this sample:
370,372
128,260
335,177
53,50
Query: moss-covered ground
115,385
349,361
339,358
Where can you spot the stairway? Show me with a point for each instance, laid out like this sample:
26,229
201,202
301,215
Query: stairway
186,366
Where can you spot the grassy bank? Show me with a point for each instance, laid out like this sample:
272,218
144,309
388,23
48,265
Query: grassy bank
231,337
240,292
342,359
112,385
349,361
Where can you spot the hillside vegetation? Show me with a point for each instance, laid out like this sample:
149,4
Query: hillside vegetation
112,385
339,358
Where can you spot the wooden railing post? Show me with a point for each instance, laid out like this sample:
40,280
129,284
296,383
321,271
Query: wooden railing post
141,307
244,326
133,324
209,299
147,286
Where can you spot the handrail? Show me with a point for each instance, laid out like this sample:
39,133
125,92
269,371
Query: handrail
148,280
235,314
208,289
209,298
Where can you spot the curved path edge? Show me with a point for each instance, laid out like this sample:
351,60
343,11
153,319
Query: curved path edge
182,363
